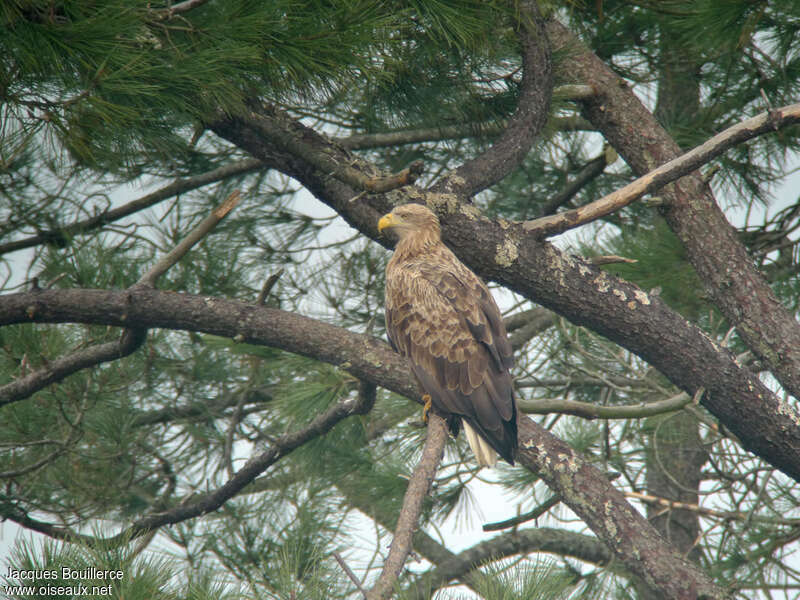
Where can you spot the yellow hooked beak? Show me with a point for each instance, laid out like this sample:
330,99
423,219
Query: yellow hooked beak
386,221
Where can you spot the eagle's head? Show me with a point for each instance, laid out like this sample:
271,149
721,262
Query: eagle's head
410,219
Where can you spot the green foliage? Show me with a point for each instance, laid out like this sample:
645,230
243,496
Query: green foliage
661,265
104,102
142,577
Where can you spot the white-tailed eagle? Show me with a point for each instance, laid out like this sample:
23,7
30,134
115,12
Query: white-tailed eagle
443,319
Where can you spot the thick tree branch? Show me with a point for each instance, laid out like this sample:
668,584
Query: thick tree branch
767,122
524,126
634,540
418,487
713,247
506,253
580,485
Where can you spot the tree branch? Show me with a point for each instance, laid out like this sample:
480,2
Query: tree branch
713,247
179,186
418,487
587,410
766,122
59,369
211,501
400,137
542,539
524,126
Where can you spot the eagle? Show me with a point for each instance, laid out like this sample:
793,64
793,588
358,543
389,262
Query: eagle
443,319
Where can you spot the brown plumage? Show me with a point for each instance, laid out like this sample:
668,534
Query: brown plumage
443,319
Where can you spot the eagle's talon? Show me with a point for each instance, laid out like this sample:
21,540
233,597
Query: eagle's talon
426,408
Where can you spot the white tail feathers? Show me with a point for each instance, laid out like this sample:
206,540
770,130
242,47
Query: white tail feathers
484,453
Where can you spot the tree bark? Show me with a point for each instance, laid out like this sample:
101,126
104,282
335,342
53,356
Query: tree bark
584,489
713,248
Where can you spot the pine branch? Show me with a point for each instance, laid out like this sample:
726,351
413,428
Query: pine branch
543,539
418,487
767,122
129,341
722,263
179,186
531,515
204,503
62,367
587,410
524,126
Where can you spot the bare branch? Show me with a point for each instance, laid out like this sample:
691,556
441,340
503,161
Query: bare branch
198,233
350,575
587,410
513,145
766,122
418,487
724,515
179,186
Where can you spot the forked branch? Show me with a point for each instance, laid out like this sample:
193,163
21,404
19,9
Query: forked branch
418,488
683,165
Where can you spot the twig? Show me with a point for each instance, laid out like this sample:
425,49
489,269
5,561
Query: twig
267,287
610,259
525,517
719,514
210,501
407,521
666,173
198,233
349,572
591,411
178,186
